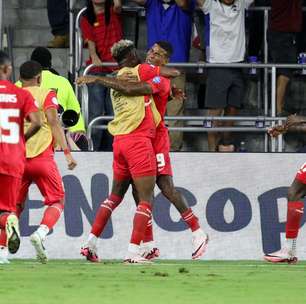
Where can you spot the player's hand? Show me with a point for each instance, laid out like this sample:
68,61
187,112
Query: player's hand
177,94
96,60
85,80
277,130
70,161
128,77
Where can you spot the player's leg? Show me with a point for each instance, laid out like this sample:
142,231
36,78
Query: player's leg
8,219
3,248
148,249
295,211
49,182
144,186
119,188
140,157
199,238
121,181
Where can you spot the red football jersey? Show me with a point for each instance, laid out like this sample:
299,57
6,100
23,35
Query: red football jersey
161,87
15,105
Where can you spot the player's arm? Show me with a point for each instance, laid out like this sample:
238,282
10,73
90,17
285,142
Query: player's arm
36,123
169,72
59,136
294,123
129,89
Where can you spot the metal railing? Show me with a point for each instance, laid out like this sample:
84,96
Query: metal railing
260,124
199,66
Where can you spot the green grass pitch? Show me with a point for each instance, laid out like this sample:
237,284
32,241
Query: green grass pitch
169,282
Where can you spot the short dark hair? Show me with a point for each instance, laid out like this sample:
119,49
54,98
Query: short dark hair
4,58
43,56
30,69
166,46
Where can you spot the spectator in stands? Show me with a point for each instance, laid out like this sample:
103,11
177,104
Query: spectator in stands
65,96
101,28
225,86
285,22
171,20
59,21
256,30
301,39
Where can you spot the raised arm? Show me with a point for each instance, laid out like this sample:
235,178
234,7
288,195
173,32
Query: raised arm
129,89
169,72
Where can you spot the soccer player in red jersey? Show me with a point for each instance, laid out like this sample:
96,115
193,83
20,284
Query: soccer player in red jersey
133,127
296,194
40,166
159,55
15,105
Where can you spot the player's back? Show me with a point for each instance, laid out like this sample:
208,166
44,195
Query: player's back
14,107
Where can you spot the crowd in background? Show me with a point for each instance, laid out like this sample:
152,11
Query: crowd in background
224,31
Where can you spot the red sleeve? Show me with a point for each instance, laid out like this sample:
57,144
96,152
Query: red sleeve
159,85
29,103
148,71
86,29
51,101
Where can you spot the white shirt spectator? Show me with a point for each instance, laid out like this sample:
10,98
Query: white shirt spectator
227,30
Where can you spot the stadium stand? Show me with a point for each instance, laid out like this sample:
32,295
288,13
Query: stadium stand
31,28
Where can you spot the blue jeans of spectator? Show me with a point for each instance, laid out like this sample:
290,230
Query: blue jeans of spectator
99,104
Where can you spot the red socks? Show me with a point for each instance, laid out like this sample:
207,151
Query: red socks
142,217
294,215
191,220
3,217
148,236
104,213
2,238
52,214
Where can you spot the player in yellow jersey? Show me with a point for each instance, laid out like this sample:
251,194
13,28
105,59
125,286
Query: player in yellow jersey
40,165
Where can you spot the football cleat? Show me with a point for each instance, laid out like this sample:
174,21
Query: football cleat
37,243
151,254
12,233
136,259
199,243
282,256
4,255
90,254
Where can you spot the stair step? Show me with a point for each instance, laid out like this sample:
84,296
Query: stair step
32,37
25,3
26,18
59,57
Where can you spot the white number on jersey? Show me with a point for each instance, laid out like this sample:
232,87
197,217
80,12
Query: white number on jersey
12,136
160,160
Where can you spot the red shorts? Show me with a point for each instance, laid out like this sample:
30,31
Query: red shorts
44,173
301,174
9,186
161,145
133,157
